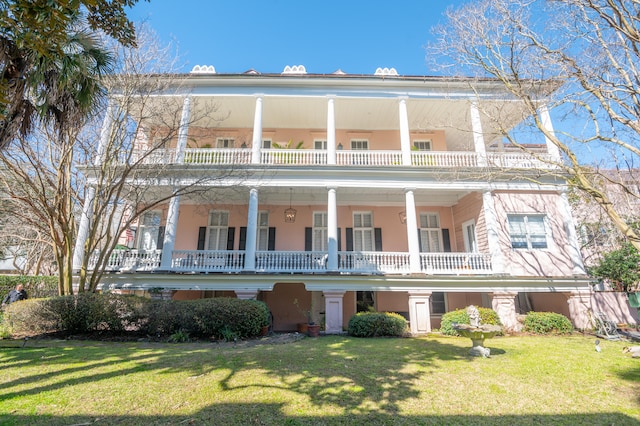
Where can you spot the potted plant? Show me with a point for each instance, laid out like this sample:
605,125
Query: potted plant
310,327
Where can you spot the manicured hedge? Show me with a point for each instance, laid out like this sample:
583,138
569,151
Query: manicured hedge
374,324
36,286
547,323
459,316
114,314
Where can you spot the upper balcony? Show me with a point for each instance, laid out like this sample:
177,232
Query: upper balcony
377,158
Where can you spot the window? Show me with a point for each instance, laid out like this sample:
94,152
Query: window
263,231
422,145
363,233
319,235
469,234
528,231
224,143
266,144
217,230
438,303
149,231
320,144
359,144
430,234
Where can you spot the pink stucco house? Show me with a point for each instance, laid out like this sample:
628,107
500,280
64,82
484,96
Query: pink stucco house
338,192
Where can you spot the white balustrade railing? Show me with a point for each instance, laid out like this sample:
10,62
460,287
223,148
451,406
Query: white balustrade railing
291,261
130,260
298,262
455,263
217,156
293,156
369,158
374,262
446,159
207,261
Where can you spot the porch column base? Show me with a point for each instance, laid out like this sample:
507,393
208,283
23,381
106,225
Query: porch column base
333,311
504,303
247,294
579,303
420,312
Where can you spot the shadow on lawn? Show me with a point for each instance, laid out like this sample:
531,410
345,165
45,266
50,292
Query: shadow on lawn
332,371
272,414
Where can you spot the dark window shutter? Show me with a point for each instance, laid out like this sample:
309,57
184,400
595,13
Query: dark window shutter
231,233
160,242
242,244
202,235
419,240
349,235
308,239
446,241
272,239
377,235
339,239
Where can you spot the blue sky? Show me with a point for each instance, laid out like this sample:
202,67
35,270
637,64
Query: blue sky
353,35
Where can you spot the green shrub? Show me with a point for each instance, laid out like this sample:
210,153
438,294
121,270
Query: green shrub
373,324
35,286
547,323
459,316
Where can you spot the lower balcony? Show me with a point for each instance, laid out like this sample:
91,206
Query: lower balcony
292,262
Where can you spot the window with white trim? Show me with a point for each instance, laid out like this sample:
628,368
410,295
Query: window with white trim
359,144
266,144
363,233
469,235
528,231
424,145
319,234
262,242
217,230
430,233
438,303
320,144
149,230
225,142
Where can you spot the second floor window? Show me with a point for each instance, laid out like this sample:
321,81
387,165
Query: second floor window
422,145
430,233
359,144
224,143
319,236
149,230
218,230
363,232
528,231
263,231
320,144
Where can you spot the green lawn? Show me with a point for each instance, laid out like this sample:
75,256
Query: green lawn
328,380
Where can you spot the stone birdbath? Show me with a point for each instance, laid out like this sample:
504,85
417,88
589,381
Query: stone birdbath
477,332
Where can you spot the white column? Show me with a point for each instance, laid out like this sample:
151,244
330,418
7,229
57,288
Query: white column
504,303
252,231
412,232
256,144
87,208
331,132
420,312
478,137
493,238
405,137
552,149
333,316
171,225
332,230
183,130
579,304
572,237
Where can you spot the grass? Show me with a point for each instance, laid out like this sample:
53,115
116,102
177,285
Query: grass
332,380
